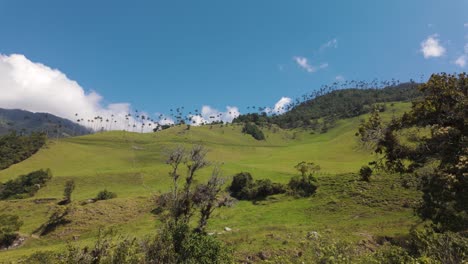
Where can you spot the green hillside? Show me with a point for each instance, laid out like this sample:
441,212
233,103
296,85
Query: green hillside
132,165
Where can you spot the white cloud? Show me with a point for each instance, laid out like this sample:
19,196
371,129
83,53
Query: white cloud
431,47
339,78
465,25
466,48
323,65
329,44
280,107
461,61
209,114
38,88
304,63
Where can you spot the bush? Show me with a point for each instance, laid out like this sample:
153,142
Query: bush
240,182
302,186
105,195
25,185
9,225
243,187
365,172
254,131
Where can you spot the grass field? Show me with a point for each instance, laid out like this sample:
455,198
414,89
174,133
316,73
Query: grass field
132,165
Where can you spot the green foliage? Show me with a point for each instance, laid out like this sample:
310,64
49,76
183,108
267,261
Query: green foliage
442,110
15,148
365,172
9,225
334,105
254,131
307,168
302,186
25,185
68,190
244,188
105,195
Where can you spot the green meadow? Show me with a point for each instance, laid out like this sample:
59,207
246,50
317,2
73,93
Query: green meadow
133,166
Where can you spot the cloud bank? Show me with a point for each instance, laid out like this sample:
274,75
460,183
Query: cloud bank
36,87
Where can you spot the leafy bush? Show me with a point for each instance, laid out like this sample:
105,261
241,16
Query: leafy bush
25,185
68,190
253,130
15,148
9,225
365,172
243,187
105,195
302,186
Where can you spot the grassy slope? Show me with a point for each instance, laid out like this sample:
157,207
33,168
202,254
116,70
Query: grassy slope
132,165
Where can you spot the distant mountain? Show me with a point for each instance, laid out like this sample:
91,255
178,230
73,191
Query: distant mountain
321,111
25,122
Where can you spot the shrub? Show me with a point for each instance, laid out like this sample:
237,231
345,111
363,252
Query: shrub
365,172
239,182
25,185
243,187
68,190
9,225
253,130
302,186
105,195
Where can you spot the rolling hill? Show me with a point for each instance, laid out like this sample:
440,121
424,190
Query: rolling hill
27,122
133,166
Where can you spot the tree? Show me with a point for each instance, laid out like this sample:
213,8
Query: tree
307,168
438,157
9,225
68,190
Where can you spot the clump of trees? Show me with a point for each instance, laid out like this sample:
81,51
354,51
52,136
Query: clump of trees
25,185
15,148
320,110
306,184
105,195
243,187
9,226
438,158
254,131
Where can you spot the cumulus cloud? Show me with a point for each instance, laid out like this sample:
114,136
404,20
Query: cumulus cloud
431,47
36,87
280,107
209,114
461,61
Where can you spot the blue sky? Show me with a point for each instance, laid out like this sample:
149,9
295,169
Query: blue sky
157,55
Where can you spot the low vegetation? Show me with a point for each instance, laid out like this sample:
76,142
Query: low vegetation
243,187
15,148
25,185
253,130
9,226
105,195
